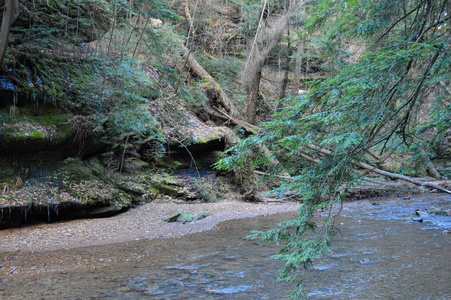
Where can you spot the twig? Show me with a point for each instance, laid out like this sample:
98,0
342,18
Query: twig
266,174
192,158
123,154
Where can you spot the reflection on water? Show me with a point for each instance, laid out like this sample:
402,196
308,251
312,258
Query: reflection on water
379,254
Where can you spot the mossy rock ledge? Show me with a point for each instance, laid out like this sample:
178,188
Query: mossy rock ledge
30,138
196,135
46,188
48,191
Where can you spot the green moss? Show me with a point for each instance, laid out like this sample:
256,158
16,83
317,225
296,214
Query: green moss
167,162
77,172
37,134
154,191
51,117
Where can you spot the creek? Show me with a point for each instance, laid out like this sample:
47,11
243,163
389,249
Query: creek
380,253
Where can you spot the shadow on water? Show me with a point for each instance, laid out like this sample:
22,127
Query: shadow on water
379,254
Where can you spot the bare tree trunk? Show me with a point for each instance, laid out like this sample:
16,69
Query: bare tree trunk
249,128
253,97
10,14
432,170
266,38
298,70
286,68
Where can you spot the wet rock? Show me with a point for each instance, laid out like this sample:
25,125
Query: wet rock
439,211
59,191
202,215
175,217
29,138
184,217
131,187
170,189
423,214
167,185
365,261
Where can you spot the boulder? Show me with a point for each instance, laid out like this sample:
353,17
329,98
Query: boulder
184,217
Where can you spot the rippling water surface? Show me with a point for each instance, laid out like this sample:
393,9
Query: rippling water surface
379,254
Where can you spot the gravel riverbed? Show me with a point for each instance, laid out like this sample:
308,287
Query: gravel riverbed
143,222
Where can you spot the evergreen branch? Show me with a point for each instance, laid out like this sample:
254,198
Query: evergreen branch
400,19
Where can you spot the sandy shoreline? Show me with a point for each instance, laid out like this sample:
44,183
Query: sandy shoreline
144,222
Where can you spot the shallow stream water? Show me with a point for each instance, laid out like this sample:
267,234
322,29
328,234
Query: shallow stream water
379,254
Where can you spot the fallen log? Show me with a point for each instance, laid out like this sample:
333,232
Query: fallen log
222,97
228,105
401,177
226,117
384,173
277,176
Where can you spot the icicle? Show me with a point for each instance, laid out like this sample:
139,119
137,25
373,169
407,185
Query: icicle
56,209
25,214
14,98
48,212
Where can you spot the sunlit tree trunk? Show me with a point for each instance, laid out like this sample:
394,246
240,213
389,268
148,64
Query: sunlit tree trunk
269,33
10,14
298,75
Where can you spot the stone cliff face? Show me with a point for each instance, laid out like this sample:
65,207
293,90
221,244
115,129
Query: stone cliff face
40,180
85,130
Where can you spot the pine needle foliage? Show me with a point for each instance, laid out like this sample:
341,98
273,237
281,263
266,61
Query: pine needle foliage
380,101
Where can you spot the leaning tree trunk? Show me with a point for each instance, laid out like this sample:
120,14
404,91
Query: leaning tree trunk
222,97
10,14
264,42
